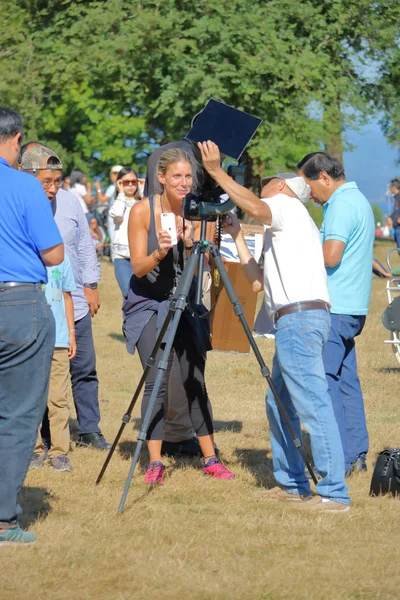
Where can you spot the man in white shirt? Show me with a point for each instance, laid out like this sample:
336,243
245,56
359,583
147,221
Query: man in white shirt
296,297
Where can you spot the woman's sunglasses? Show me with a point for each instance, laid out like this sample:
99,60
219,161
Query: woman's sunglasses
127,182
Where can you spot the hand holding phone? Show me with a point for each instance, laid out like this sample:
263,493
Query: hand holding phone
168,224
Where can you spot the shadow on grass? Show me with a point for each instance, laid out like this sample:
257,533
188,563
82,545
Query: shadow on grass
117,336
388,370
126,450
233,426
35,504
259,464
136,424
131,502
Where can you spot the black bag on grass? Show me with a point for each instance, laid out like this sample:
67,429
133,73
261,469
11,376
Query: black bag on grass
386,475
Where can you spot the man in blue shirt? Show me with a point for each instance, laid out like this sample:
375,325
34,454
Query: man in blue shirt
395,190
41,161
29,241
347,234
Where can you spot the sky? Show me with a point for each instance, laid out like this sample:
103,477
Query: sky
372,164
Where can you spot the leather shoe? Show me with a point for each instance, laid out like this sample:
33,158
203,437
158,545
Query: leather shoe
357,466
93,440
184,448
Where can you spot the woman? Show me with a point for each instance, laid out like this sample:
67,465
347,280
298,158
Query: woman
66,184
98,236
82,189
126,196
157,267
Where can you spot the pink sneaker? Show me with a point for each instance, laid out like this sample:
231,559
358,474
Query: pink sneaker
155,473
214,468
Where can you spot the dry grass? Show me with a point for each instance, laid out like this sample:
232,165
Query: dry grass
201,538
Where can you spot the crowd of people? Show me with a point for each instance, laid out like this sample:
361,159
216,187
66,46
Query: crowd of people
52,232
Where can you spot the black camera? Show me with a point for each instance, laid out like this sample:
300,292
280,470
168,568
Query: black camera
205,205
208,204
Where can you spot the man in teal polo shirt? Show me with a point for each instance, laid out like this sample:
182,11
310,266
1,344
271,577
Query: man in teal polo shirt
347,235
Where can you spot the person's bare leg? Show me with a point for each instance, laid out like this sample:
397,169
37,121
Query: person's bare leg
207,446
154,447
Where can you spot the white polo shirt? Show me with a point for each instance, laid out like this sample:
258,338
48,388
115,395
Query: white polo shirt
294,269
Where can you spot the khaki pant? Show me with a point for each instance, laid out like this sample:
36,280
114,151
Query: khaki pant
58,406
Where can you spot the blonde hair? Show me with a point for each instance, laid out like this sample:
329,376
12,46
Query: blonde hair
171,157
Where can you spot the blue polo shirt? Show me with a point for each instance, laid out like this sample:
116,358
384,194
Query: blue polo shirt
348,217
26,226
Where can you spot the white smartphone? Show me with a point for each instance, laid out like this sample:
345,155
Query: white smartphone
168,224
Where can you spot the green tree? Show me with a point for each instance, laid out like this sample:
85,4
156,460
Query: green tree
378,213
315,213
103,81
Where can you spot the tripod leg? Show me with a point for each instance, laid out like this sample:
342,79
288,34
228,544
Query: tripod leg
149,363
181,295
238,309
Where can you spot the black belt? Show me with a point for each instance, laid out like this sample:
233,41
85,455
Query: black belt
300,307
15,284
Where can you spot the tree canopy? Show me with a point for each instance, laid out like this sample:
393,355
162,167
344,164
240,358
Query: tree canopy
104,81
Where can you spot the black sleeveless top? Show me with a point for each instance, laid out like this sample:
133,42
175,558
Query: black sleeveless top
151,293
161,282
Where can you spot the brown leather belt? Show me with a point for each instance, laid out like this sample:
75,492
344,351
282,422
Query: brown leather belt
300,307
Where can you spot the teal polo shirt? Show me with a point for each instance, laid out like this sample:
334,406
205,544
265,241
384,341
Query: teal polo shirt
348,217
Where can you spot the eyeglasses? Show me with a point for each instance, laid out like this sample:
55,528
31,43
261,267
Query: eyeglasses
48,184
126,182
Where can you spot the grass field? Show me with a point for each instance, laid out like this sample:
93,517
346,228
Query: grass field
198,538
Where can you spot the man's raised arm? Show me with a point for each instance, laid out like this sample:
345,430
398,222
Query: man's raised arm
240,195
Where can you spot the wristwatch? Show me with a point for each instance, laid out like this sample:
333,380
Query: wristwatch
92,286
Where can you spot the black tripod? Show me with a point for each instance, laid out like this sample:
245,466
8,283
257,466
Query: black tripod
177,306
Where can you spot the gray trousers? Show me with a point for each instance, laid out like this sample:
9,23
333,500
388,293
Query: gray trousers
178,425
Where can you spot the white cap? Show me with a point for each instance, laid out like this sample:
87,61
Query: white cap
116,168
294,182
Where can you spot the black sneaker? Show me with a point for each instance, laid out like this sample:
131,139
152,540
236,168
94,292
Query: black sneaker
92,440
357,466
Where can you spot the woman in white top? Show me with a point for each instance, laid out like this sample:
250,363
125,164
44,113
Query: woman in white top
126,193
82,189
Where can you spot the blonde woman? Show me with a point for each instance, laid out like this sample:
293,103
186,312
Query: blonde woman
157,266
